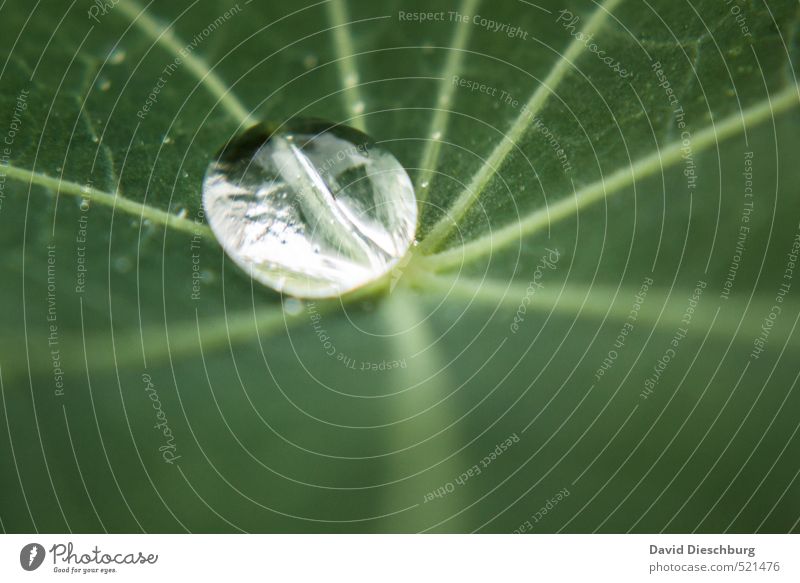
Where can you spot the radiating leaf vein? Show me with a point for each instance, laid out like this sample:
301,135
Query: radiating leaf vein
440,118
527,114
567,206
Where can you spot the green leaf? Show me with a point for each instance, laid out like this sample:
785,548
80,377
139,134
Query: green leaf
602,303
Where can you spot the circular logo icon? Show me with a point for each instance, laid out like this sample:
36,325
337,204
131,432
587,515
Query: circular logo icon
31,556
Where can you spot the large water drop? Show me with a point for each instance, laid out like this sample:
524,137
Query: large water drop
310,208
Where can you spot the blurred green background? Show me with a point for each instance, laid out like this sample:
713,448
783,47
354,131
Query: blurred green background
273,424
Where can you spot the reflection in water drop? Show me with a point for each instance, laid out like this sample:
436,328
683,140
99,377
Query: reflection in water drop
310,209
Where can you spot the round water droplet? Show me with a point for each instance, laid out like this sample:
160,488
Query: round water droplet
292,307
310,208
117,57
310,61
123,264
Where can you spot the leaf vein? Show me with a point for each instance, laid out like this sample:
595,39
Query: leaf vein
164,36
614,183
527,114
343,46
441,116
116,200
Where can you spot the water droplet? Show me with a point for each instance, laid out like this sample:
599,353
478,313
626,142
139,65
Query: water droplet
148,229
117,57
123,264
104,85
310,61
167,140
437,135
348,215
181,213
292,306
358,108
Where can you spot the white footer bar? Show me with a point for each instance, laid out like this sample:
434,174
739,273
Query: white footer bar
401,558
